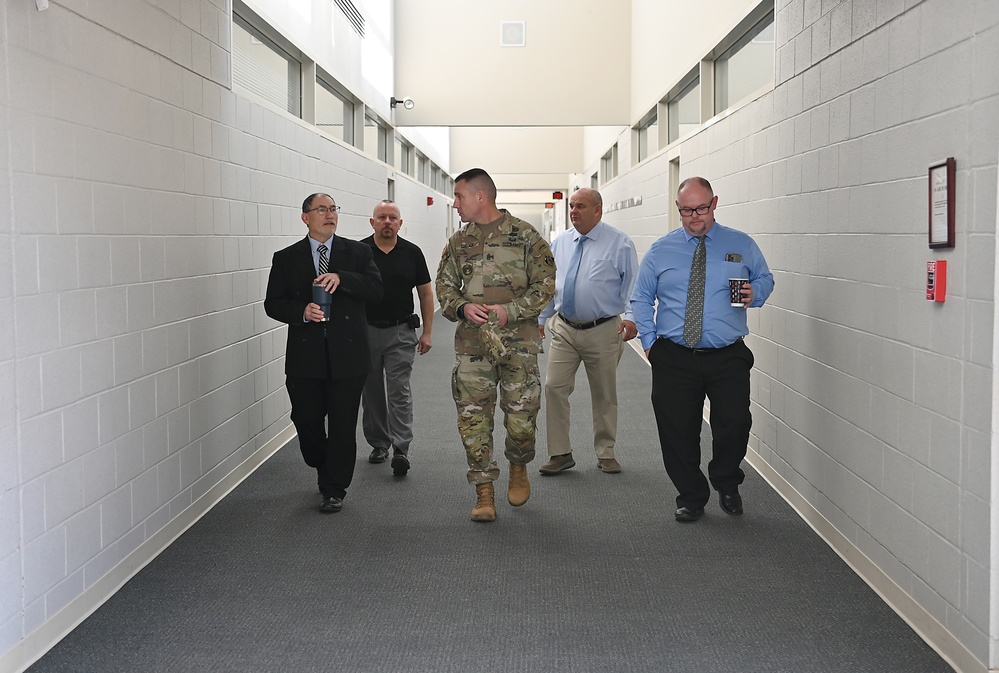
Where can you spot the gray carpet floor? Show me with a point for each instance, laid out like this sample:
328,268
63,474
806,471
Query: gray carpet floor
593,574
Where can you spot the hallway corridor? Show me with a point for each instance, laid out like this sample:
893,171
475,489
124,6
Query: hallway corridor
593,574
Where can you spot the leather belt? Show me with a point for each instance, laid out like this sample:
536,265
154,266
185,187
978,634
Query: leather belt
388,323
590,324
699,350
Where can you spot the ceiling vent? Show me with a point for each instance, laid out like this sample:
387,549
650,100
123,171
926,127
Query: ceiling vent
513,34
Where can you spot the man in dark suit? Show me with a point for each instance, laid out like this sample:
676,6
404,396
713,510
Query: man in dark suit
326,363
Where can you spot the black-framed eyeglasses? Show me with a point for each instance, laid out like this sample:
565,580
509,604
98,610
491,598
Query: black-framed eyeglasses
325,210
700,210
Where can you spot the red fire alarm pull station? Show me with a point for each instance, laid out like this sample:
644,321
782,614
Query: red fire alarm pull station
936,280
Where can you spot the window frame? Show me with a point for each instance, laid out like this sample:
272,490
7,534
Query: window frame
381,151
259,30
641,136
609,168
735,42
686,87
331,86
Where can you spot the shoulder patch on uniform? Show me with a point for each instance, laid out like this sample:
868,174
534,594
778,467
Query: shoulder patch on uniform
549,260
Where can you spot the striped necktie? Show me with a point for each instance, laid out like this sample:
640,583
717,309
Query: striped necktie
324,263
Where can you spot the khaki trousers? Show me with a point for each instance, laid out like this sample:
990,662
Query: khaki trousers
599,349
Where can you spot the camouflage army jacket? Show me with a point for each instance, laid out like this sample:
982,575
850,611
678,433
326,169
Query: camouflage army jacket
513,267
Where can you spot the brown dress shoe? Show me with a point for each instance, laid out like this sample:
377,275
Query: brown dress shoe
557,464
609,465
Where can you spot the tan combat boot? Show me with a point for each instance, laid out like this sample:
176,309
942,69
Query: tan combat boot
485,508
519,490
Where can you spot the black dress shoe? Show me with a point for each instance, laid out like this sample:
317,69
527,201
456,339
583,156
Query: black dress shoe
731,503
331,505
687,514
400,464
378,456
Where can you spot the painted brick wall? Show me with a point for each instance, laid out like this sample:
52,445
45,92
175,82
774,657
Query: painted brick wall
140,203
870,401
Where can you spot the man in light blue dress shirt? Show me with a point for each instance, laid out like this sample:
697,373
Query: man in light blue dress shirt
717,364
595,272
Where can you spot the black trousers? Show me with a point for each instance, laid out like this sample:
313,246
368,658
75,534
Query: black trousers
333,454
681,378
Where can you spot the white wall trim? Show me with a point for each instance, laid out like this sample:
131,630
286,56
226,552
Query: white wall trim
34,645
922,622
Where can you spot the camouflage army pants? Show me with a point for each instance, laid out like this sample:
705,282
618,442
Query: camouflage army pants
473,385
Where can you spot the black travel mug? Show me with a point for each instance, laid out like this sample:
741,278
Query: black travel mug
323,298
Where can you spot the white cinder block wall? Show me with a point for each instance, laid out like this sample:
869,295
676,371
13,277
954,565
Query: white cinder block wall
872,405
140,203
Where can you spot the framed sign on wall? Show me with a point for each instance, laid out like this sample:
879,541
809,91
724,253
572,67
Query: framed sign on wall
942,187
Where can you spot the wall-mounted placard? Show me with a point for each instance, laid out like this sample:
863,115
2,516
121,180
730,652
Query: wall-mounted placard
942,187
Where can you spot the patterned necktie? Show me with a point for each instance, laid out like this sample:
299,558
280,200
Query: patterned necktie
694,315
569,289
324,264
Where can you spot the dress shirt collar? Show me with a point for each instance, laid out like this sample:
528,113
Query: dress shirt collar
314,244
710,234
594,232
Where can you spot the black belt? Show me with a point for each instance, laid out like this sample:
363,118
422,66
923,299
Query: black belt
699,350
589,324
388,323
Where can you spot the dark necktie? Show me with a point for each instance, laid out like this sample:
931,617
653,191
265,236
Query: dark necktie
694,315
324,263
569,288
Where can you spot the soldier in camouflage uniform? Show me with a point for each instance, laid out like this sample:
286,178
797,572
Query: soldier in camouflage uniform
495,276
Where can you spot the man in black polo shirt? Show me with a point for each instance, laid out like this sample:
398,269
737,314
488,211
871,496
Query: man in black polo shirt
388,401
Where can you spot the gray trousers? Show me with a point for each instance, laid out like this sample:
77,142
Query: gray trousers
387,401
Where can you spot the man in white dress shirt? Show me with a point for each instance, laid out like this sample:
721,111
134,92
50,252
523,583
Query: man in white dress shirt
596,267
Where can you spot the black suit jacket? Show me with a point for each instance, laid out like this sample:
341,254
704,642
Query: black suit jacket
345,336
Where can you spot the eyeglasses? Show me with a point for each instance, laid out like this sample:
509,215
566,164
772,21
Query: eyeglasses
700,210
324,210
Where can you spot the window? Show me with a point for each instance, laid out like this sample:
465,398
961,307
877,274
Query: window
375,139
262,67
334,112
684,111
648,137
421,168
746,66
405,158
608,164
674,185
594,181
